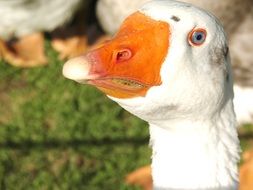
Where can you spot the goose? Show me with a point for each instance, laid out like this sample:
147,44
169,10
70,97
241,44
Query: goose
169,65
22,23
237,19
111,13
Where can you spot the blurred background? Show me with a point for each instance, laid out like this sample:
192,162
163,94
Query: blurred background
57,134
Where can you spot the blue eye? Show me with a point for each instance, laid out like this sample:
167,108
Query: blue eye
197,37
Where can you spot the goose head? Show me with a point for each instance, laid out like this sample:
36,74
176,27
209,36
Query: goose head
168,60
169,65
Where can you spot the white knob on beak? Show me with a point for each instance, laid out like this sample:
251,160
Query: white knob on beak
76,69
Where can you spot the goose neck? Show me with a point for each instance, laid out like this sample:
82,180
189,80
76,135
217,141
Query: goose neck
195,155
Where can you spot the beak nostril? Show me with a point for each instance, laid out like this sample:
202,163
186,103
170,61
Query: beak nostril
123,55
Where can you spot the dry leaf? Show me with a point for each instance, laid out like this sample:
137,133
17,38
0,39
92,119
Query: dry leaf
27,51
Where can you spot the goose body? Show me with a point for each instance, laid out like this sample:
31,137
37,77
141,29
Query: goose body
22,17
169,65
111,13
237,18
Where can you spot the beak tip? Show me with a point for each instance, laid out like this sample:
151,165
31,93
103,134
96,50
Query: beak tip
76,69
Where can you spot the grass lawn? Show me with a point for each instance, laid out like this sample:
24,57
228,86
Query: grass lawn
56,134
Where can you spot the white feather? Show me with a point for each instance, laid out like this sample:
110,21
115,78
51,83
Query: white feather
23,17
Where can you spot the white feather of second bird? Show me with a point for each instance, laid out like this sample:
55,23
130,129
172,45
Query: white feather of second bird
22,17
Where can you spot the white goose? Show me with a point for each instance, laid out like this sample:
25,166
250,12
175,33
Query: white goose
237,19
22,17
169,65
25,20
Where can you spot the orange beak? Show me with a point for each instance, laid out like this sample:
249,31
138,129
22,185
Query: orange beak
129,64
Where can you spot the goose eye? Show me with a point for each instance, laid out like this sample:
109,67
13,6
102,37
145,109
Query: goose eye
197,37
123,55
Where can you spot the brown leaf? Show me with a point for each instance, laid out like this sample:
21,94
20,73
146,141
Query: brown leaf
141,177
27,51
246,171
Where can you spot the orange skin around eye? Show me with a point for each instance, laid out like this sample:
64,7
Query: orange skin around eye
147,41
192,32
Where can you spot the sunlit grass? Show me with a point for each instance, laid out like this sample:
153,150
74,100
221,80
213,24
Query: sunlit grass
56,134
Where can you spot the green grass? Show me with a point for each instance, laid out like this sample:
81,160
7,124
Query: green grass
56,134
